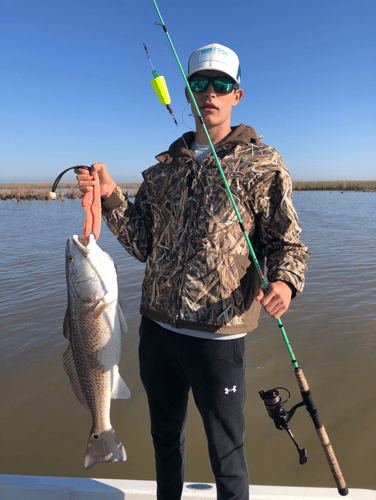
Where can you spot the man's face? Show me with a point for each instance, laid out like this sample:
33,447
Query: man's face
215,108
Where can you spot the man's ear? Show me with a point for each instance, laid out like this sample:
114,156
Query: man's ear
187,96
237,96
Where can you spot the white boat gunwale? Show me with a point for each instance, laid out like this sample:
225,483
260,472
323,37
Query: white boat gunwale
13,487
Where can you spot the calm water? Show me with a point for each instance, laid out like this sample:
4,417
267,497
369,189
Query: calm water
331,327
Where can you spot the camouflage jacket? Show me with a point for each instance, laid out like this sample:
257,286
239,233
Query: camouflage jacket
199,274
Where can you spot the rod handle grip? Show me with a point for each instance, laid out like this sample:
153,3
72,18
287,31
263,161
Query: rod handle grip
322,434
332,461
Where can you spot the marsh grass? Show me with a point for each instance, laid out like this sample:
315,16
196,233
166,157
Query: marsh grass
27,191
334,186
68,190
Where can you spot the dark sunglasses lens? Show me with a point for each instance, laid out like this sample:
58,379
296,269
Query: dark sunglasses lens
223,85
199,84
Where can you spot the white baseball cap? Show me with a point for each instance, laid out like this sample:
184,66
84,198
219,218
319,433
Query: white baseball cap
216,57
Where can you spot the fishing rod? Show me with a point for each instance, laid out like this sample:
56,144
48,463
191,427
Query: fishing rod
271,398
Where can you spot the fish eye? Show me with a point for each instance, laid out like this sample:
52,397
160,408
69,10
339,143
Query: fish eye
71,258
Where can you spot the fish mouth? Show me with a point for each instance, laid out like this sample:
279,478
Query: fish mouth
81,244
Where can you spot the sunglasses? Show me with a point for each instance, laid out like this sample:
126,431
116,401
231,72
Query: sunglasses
222,85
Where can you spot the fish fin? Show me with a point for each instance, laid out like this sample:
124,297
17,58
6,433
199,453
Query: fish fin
119,387
66,329
124,309
100,307
70,369
104,447
123,323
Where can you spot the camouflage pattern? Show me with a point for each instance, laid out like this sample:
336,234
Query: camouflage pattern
182,224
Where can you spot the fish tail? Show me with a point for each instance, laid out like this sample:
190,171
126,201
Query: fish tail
104,447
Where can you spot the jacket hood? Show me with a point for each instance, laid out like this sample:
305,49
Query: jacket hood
178,152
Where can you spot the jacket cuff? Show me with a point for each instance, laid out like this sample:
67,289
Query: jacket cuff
113,201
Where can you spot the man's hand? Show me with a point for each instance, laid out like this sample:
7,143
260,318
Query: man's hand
86,182
277,299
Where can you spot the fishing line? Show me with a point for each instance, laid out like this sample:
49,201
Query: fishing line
302,382
182,119
168,63
160,87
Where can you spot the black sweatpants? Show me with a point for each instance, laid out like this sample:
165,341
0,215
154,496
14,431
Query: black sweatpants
171,364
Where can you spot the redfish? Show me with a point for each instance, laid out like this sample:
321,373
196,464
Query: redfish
93,324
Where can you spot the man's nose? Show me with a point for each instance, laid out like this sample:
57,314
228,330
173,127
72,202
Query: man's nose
210,89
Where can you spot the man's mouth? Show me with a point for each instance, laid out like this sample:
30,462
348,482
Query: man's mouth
208,106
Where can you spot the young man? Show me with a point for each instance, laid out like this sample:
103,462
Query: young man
201,293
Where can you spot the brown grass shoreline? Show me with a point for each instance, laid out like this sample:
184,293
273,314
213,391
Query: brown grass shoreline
365,186
25,191
28,191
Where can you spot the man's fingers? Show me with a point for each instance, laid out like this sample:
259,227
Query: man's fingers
260,295
97,167
277,299
81,171
276,310
268,297
84,179
272,306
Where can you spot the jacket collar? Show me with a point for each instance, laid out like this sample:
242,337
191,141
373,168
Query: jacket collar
178,153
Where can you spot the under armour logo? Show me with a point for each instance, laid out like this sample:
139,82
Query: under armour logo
227,390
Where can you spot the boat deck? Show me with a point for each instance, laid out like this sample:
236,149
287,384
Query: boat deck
14,487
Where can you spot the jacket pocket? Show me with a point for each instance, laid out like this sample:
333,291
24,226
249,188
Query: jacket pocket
249,279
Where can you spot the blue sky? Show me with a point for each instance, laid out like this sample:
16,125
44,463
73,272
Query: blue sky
75,82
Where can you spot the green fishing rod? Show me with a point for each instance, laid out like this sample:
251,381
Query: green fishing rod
271,398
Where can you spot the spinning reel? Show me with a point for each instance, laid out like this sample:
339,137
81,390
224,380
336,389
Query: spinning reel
274,404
